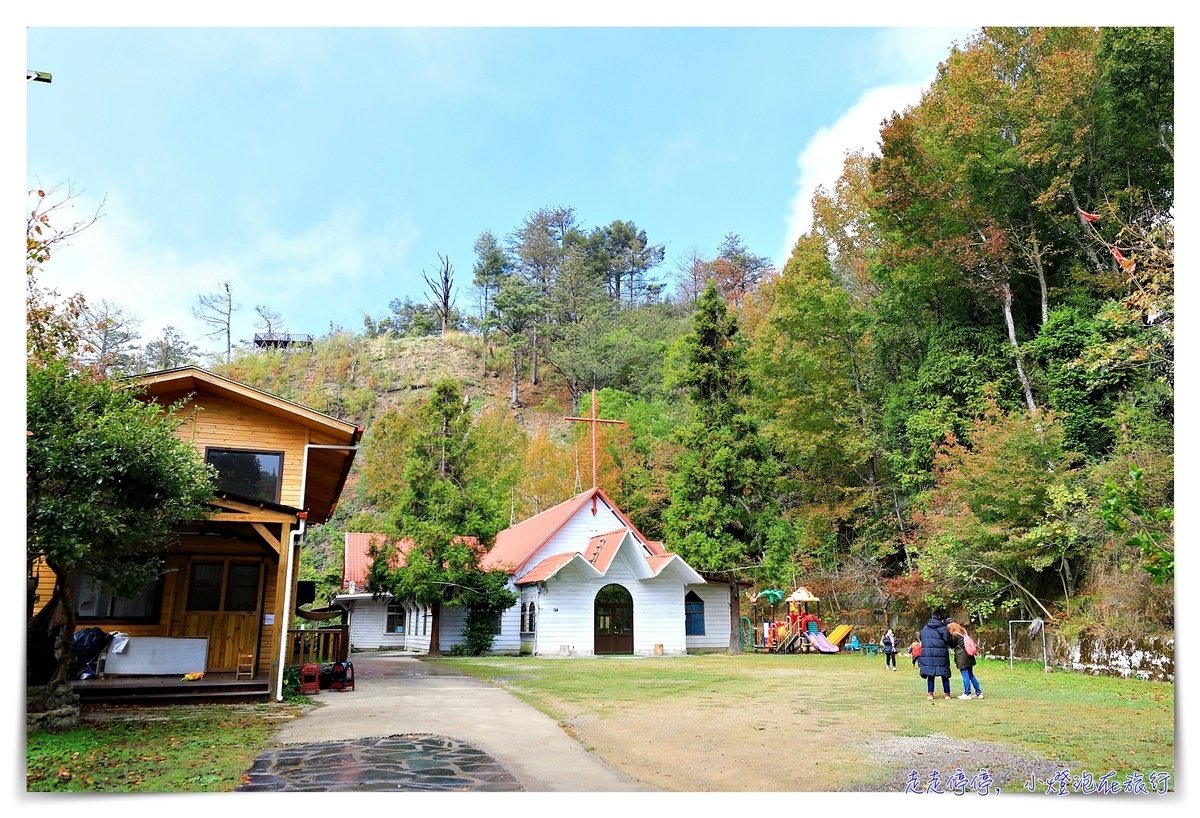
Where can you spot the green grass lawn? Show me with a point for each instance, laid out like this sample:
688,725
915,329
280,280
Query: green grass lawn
178,749
1090,723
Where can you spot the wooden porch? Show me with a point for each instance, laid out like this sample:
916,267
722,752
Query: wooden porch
318,646
159,691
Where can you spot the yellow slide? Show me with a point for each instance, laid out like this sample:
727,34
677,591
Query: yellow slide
839,634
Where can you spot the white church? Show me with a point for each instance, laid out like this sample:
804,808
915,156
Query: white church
589,584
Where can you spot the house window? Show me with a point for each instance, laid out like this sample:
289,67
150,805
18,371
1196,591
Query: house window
93,602
532,617
496,624
693,614
241,590
204,586
395,618
250,474
223,586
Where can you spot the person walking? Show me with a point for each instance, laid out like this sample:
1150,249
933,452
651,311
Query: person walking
934,660
888,642
964,661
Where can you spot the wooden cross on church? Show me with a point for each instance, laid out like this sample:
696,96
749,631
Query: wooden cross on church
595,422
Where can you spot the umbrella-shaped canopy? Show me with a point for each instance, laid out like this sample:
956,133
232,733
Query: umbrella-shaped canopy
802,594
770,597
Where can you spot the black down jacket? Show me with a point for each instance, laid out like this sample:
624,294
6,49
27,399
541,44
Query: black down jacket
935,649
962,659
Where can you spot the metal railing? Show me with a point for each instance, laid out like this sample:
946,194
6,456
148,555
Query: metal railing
318,645
279,339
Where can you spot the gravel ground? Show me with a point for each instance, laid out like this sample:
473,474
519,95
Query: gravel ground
1008,771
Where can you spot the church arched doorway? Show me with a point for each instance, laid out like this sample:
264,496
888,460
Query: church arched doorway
614,621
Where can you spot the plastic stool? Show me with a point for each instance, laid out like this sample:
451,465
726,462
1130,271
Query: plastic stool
310,679
343,676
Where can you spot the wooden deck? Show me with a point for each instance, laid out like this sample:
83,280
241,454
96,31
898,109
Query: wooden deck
151,691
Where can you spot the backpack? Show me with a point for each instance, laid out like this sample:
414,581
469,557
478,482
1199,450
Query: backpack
969,645
915,649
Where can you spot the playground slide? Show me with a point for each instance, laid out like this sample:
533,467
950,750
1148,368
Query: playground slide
821,643
839,634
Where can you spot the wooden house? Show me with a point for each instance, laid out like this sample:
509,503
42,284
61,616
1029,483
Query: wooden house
232,577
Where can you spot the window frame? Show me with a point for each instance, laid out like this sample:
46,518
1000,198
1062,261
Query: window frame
389,626
226,564
690,613
154,617
209,450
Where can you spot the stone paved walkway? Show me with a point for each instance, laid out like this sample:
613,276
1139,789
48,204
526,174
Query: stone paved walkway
393,763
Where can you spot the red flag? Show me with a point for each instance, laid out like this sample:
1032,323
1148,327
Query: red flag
1128,265
1088,217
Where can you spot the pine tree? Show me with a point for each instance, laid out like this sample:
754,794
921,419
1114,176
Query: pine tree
450,515
721,503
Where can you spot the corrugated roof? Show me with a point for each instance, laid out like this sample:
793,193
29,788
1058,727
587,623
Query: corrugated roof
547,568
357,561
516,545
601,549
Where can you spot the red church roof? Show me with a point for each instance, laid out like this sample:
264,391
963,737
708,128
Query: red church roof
516,545
357,561
601,549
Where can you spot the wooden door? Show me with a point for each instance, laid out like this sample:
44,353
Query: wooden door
224,603
614,621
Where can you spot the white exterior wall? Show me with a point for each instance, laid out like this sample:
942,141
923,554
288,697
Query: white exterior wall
566,610
716,616
453,620
416,640
368,620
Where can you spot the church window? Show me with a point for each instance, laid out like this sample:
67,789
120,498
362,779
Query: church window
395,618
532,620
693,614
524,618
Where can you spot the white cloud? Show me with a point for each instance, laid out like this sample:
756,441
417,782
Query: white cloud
822,159
332,271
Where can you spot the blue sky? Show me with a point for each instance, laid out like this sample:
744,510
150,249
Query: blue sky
320,170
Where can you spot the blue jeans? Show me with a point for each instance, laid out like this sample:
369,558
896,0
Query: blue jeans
945,684
968,680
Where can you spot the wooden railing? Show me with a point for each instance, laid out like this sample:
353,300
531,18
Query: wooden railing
319,645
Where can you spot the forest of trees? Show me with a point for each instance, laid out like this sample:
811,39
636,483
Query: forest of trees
959,389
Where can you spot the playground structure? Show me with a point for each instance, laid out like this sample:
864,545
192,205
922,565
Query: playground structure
800,631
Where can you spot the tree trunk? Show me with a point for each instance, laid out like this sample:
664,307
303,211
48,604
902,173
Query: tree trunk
1087,230
435,642
516,375
1012,338
533,376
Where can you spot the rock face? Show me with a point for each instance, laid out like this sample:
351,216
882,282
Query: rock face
61,709
1144,657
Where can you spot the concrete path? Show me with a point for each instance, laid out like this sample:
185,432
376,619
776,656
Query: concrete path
399,695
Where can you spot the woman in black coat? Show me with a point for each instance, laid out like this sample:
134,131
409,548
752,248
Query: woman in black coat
935,653
964,661
888,641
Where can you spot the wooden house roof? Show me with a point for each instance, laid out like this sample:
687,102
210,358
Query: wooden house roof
327,469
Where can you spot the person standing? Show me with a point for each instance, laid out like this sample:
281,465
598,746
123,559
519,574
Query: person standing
888,642
934,660
964,661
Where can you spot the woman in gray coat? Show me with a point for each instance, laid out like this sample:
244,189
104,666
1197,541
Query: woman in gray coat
935,653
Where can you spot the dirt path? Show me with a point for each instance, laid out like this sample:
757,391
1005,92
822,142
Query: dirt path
804,724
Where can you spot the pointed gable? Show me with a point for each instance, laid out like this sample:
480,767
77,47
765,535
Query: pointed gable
516,545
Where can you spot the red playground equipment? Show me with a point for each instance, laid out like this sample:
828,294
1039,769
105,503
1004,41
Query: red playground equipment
800,631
